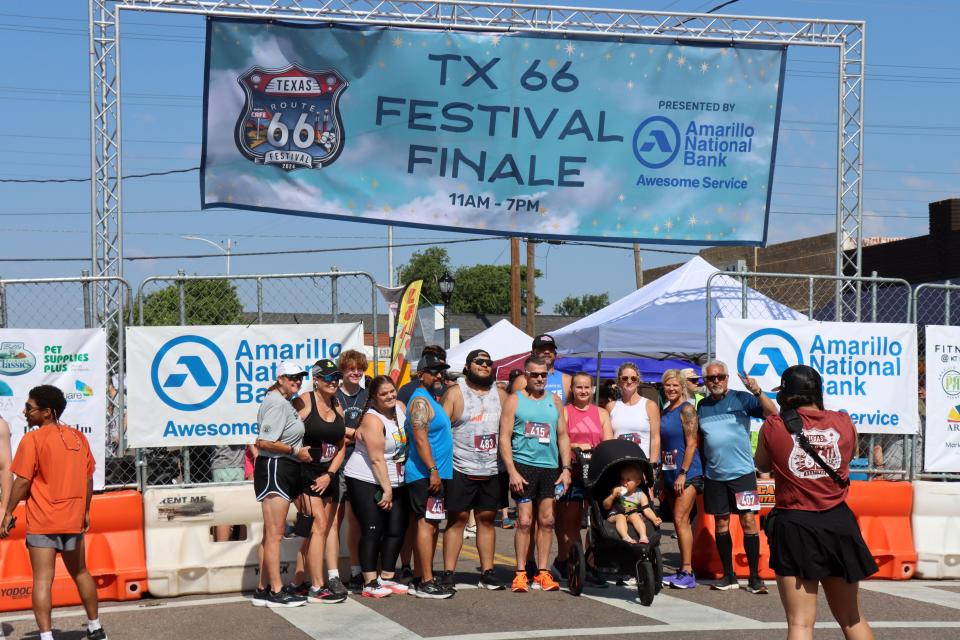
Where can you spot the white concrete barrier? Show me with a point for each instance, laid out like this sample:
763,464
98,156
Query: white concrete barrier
182,557
936,529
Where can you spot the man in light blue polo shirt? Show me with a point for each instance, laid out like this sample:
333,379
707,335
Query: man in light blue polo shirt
730,480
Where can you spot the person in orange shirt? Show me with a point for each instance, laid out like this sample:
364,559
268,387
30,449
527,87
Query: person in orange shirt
54,470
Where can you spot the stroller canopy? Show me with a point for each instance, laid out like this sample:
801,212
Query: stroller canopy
610,453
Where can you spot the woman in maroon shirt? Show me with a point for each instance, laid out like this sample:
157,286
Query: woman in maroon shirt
814,538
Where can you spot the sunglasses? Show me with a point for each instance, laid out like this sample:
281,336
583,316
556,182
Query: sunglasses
693,379
717,378
295,379
330,377
536,374
29,407
482,362
629,379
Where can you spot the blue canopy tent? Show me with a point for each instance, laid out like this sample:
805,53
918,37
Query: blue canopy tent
651,370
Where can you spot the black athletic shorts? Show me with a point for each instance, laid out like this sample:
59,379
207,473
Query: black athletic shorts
419,494
309,472
276,476
483,493
541,482
720,496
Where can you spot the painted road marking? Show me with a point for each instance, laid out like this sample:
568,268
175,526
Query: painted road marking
922,593
347,618
672,610
148,605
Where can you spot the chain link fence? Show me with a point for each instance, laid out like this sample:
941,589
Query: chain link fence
771,296
307,298
69,303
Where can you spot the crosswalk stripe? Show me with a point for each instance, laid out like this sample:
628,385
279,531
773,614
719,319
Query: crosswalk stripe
921,593
672,610
347,619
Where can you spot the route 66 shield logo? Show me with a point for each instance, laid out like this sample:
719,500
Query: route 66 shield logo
291,117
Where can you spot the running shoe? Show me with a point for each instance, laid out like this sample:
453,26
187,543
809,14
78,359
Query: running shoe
335,585
323,595
283,600
445,578
259,598
405,575
395,587
488,580
298,589
374,589
504,523
626,581
546,582
520,582
433,589
355,583
756,585
682,580
469,532
726,583
98,634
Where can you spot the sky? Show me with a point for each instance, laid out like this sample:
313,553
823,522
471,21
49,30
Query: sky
912,89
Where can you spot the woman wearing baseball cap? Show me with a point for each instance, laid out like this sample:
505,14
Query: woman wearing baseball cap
276,478
814,537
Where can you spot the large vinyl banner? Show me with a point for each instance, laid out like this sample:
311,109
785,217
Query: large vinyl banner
75,360
564,137
203,385
869,370
941,443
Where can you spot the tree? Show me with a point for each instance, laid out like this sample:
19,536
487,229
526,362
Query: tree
582,306
427,265
205,302
485,288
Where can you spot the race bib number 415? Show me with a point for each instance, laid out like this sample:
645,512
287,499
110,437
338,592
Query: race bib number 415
538,430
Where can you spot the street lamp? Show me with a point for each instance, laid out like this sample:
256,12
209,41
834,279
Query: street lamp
226,251
446,284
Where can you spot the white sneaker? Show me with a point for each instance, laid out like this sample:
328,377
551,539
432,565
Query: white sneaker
394,586
469,532
374,589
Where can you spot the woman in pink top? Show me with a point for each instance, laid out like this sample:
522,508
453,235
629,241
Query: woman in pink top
587,425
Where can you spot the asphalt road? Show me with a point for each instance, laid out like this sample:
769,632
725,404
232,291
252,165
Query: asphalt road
909,610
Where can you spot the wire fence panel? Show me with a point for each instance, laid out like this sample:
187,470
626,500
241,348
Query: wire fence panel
307,298
68,303
772,296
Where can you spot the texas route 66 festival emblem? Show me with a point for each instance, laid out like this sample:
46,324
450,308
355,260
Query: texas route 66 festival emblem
291,117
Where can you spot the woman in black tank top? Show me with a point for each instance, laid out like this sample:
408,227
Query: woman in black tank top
324,434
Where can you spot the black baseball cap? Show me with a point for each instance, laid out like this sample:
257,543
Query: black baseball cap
430,362
544,341
800,380
324,367
476,352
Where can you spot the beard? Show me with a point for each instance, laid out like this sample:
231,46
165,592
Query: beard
484,382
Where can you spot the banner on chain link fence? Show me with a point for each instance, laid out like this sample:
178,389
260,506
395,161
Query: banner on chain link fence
501,133
202,385
941,443
869,370
75,360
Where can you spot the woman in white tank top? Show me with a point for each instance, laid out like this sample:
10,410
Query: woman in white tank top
634,417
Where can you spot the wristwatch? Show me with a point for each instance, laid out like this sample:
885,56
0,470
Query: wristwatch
682,471
432,469
758,393
566,467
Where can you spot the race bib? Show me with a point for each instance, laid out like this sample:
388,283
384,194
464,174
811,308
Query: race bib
668,460
435,508
538,430
635,438
328,452
485,443
747,501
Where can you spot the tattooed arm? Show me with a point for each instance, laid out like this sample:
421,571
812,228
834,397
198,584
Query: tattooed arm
691,429
419,415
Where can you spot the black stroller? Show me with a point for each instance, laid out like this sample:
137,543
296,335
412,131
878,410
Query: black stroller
605,550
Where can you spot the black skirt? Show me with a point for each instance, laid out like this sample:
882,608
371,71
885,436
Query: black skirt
819,544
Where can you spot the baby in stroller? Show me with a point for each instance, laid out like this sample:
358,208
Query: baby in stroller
627,502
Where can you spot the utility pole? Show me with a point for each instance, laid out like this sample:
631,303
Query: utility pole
638,265
531,294
515,282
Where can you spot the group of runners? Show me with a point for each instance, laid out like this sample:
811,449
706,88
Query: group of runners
395,464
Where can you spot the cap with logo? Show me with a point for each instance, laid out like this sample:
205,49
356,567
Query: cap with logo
544,341
324,367
430,362
800,380
289,369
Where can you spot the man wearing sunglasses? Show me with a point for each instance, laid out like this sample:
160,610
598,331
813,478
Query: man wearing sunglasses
474,405
558,383
730,480
54,469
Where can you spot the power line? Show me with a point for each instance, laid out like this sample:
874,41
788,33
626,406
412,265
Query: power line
64,180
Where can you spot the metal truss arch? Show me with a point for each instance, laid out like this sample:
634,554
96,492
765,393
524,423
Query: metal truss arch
848,37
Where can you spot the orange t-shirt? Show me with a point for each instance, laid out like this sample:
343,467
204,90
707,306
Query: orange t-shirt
58,461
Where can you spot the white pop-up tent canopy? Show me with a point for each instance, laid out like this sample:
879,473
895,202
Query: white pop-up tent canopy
501,340
668,316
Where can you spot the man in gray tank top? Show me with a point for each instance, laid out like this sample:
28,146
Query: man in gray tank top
478,483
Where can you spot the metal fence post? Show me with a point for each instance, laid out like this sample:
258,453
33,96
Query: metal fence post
87,307
810,299
333,296
259,300
3,305
742,268
873,297
946,304
376,333
181,274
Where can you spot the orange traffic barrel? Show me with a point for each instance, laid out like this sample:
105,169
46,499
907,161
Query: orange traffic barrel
884,511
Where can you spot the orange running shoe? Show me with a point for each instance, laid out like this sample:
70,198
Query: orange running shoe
546,581
520,582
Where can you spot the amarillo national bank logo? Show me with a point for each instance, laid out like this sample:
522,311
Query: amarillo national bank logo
189,373
765,354
15,359
656,142
291,117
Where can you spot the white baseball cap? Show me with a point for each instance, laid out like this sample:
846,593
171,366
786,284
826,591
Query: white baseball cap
289,369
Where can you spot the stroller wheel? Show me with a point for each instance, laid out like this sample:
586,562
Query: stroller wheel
646,582
657,569
576,569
